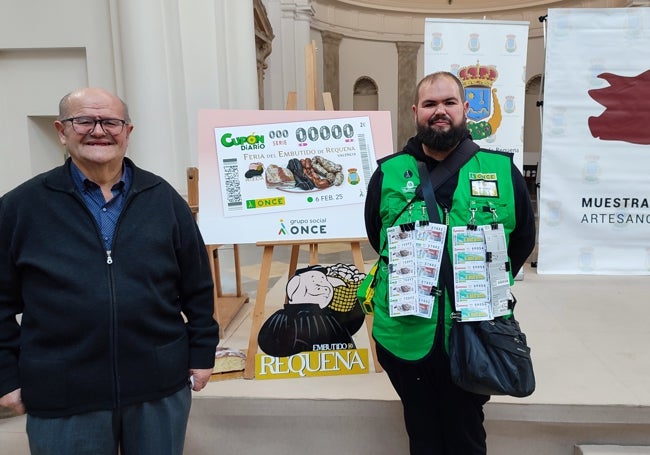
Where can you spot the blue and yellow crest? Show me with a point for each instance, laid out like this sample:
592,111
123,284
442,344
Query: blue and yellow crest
484,115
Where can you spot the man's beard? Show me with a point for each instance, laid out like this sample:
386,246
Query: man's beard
441,140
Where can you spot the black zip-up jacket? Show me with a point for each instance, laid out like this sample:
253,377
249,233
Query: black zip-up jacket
98,333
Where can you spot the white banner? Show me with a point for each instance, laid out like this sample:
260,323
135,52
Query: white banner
489,57
595,190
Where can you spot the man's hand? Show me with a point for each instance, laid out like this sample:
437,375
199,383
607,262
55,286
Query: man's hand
13,401
201,378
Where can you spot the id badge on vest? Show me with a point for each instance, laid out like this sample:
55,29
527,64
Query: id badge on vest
481,275
415,253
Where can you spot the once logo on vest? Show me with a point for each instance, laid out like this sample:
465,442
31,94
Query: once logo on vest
484,184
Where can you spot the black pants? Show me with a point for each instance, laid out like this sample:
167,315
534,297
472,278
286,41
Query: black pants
440,417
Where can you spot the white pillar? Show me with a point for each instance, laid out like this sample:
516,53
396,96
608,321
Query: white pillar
152,71
218,45
178,57
291,21
274,96
235,29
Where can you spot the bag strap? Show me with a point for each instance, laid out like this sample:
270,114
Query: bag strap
429,196
452,164
440,174
428,193
430,182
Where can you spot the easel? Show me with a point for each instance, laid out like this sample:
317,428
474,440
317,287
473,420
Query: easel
226,306
267,256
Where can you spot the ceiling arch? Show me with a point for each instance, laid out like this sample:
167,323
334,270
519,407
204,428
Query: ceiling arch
403,20
446,6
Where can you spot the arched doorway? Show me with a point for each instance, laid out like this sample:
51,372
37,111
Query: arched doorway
366,96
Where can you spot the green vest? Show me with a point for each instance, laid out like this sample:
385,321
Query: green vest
412,337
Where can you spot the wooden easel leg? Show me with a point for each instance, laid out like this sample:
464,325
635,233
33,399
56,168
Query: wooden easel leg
293,262
258,311
239,291
211,249
293,265
357,257
313,253
217,269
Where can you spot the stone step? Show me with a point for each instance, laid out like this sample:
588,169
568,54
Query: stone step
611,450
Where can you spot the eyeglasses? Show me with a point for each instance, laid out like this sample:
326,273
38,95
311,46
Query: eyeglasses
86,125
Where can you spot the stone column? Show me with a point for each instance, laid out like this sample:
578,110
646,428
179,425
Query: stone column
407,78
295,33
331,82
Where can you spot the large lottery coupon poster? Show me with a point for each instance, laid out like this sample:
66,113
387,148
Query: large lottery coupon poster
287,175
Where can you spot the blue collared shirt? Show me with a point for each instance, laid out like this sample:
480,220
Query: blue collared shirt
106,213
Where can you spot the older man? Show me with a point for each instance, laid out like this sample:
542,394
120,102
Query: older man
109,271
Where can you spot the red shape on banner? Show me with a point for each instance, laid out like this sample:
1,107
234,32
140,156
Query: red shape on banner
626,116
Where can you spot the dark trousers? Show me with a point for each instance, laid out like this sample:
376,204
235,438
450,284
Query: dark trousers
440,417
151,428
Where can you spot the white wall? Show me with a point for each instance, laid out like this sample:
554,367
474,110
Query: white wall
167,59
374,59
42,58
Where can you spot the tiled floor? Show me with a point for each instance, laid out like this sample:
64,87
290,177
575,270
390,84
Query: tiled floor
589,336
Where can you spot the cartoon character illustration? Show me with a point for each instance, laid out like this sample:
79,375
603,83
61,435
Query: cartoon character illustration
321,309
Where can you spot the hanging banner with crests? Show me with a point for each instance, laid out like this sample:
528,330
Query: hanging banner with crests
489,57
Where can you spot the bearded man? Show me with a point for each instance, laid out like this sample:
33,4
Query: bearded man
486,187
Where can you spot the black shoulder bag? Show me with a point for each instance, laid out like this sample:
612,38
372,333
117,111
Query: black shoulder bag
486,357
